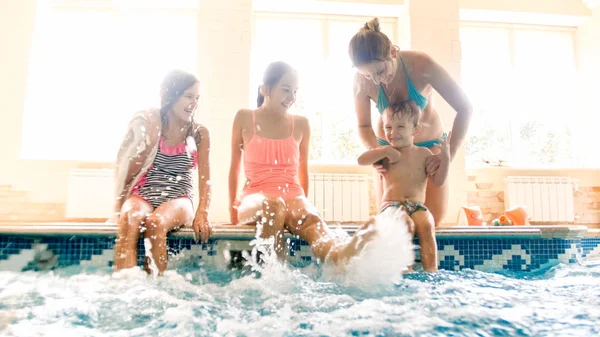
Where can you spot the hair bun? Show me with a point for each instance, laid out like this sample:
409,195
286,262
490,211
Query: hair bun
373,25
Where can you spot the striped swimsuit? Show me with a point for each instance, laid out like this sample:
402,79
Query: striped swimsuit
170,176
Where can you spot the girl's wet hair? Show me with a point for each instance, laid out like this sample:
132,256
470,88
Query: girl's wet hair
172,87
369,44
272,76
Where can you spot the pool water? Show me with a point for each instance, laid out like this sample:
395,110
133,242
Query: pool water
276,300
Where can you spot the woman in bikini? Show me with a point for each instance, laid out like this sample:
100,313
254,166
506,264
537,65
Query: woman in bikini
387,75
275,148
154,177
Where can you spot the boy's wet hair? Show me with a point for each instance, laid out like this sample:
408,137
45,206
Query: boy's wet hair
405,109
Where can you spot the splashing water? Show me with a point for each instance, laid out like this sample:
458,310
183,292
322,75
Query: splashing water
385,257
282,301
148,253
190,146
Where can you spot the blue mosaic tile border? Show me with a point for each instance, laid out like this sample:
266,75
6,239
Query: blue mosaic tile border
590,246
26,252
510,254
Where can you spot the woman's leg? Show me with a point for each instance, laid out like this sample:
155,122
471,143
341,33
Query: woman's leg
436,200
268,214
133,214
302,219
425,231
169,215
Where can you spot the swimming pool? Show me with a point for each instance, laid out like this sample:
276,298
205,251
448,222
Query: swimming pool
66,287
88,301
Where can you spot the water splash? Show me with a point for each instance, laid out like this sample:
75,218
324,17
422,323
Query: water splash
148,253
386,256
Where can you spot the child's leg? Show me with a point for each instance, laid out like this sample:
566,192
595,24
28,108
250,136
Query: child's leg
268,213
302,219
425,230
169,215
131,218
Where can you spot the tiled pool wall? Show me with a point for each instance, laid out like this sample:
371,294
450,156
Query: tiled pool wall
22,252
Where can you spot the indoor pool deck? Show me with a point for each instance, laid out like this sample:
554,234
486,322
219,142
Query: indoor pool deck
42,246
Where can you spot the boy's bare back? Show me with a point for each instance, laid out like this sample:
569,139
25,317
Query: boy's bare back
406,179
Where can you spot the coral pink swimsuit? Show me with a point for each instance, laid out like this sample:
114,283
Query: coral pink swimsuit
271,165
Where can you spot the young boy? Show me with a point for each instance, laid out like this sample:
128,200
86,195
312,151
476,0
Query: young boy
405,181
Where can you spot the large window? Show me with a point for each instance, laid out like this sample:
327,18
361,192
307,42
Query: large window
94,64
317,46
522,81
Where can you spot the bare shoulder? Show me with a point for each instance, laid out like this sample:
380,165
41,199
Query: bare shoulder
243,118
202,132
362,86
243,114
416,60
301,122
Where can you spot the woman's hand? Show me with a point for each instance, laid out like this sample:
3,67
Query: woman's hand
432,164
202,228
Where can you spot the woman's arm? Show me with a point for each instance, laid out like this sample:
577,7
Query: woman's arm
362,107
234,168
440,175
445,85
304,149
204,187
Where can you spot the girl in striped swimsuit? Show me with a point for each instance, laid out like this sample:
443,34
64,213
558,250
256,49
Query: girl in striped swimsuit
275,146
155,174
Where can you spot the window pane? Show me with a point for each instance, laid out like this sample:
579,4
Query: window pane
544,80
486,72
522,84
85,83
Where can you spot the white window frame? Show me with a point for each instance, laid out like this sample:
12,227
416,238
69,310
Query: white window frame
510,29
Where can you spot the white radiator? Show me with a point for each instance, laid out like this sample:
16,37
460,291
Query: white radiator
90,193
548,199
340,197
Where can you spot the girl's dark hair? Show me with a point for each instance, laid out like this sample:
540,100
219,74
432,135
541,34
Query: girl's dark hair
369,44
172,87
273,74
